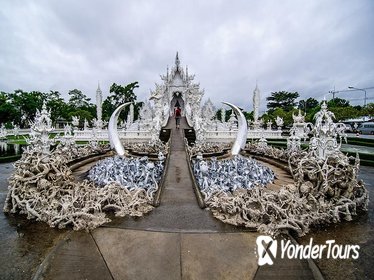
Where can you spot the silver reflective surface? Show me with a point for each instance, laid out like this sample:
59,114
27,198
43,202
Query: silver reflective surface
241,137
114,140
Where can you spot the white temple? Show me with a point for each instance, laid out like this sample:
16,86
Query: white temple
178,89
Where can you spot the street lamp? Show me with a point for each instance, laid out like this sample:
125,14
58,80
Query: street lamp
333,93
362,89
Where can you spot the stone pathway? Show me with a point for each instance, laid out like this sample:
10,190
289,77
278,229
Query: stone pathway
177,240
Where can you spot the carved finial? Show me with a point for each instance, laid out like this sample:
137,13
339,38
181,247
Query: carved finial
324,105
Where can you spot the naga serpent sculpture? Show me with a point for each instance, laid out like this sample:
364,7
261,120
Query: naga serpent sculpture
114,140
241,137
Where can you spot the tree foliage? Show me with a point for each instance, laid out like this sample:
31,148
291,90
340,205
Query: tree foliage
282,99
338,102
20,106
78,99
8,112
79,105
120,95
308,105
279,112
369,110
340,107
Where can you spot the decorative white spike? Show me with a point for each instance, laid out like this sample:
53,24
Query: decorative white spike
114,140
241,137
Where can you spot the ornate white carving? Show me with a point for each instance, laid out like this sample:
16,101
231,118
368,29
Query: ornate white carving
300,118
3,131
75,121
299,126
269,124
279,122
208,110
40,129
15,130
85,124
293,141
67,130
325,132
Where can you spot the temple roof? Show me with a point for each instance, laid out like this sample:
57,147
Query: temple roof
177,73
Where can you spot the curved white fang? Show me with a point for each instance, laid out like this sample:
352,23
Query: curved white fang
114,140
241,137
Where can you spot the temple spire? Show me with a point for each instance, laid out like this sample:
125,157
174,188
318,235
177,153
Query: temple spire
256,103
99,101
177,62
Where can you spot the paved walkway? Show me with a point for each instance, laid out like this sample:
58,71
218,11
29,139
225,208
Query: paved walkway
177,240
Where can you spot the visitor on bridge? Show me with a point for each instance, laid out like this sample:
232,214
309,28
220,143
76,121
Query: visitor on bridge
177,117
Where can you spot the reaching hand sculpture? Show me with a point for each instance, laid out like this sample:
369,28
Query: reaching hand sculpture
241,137
114,140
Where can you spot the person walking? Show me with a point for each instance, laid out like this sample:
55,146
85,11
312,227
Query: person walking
177,117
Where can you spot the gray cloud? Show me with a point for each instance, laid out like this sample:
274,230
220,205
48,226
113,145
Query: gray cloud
285,45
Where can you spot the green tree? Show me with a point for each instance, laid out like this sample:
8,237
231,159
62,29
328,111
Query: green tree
26,104
368,110
344,113
310,115
78,99
266,117
248,115
8,113
341,109
55,103
120,95
285,115
338,102
282,99
82,114
307,105
79,105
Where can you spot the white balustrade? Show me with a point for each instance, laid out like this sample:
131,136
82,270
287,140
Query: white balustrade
228,135
102,135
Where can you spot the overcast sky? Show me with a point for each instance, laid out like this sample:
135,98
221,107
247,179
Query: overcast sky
304,46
